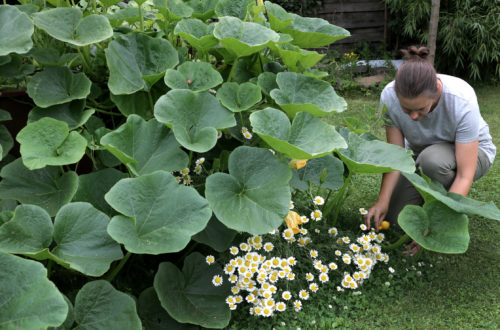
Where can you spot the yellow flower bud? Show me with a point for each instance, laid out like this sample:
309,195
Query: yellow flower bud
297,163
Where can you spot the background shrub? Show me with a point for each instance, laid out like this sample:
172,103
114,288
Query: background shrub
468,43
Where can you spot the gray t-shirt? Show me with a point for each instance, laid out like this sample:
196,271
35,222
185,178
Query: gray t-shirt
456,118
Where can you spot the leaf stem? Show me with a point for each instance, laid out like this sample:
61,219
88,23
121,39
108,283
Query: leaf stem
151,103
107,112
232,69
141,22
111,276
397,244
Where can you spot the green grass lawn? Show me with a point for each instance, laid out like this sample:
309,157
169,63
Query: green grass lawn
437,291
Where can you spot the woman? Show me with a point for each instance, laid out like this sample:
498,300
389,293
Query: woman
437,117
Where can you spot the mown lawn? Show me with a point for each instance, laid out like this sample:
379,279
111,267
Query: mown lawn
436,291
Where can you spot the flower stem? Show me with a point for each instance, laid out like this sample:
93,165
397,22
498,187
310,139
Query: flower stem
232,69
111,276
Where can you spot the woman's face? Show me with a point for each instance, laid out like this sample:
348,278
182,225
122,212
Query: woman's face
416,107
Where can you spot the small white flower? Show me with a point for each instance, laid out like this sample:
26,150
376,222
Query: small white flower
318,200
219,134
363,211
233,250
387,283
291,205
332,231
197,169
217,280
247,135
363,227
200,160
210,259
303,294
391,269
316,215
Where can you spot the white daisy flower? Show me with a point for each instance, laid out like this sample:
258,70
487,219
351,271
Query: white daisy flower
200,161
363,226
313,253
286,295
318,200
304,219
197,169
309,277
332,231
303,294
323,277
313,287
363,211
297,305
280,306
291,205
316,215
217,280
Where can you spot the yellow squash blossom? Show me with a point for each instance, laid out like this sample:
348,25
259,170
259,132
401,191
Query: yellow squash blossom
293,221
297,163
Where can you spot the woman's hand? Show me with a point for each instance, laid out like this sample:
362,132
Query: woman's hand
378,212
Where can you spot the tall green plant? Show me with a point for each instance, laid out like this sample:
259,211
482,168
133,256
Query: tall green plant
175,105
468,42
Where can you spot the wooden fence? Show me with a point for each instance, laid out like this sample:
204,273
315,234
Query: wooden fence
366,20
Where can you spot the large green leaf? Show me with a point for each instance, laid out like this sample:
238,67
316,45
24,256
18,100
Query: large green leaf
433,190
279,18
372,157
436,227
15,69
194,118
236,8
202,9
312,32
98,305
297,59
314,169
145,146
160,216
137,61
16,29
298,92
49,142
69,25
155,317
6,141
307,137
173,10
29,231
267,82
28,299
216,235
72,113
307,32
136,103
254,197
58,85
196,76
197,34
189,295
237,97
243,38
82,240
44,187
93,186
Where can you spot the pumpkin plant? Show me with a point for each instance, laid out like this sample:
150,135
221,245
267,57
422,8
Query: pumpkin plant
149,139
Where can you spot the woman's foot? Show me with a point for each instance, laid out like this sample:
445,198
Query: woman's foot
411,249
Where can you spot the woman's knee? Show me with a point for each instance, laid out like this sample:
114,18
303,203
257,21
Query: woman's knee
439,163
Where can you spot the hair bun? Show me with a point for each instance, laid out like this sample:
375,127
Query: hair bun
415,54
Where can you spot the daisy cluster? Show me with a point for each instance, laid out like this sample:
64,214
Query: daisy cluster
262,279
255,277
184,175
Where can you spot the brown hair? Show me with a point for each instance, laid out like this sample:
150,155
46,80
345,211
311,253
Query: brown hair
416,75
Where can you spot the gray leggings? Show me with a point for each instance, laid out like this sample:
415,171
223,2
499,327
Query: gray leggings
437,162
